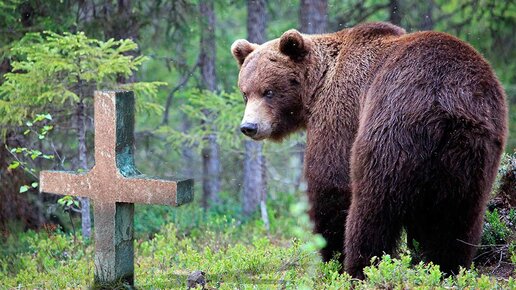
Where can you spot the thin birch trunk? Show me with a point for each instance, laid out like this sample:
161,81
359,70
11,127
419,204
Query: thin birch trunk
83,164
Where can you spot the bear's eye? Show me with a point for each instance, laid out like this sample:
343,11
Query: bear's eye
245,97
268,94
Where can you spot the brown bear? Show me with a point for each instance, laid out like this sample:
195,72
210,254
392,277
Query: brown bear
404,131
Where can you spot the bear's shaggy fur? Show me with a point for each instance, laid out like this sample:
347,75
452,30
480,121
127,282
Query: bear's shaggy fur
403,131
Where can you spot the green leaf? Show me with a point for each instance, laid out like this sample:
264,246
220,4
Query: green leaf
26,132
48,117
14,165
34,184
39,118
29,124
35,154
24,188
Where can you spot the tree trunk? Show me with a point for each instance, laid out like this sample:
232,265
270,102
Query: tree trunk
427,20
83,164
210,152
313,16
256,21
255,189
118,21
394,12
313,19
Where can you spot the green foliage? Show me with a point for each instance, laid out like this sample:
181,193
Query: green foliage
301,230
233,253
235,257
61,70
68,202
223,119
495,229
7,10
39,256
507,164
399,273
512,216
23,157
389,273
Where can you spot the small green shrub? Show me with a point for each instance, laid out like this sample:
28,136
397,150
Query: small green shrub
45,255
495,229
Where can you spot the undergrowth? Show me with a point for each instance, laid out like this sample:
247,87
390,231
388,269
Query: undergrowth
241,254
55,261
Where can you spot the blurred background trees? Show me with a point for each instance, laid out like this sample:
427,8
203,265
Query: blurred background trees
192,126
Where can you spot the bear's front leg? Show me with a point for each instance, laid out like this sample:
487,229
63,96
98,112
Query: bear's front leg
328,211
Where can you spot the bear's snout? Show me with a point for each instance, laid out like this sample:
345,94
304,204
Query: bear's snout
249,129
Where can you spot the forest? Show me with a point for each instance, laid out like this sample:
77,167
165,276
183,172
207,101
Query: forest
247,226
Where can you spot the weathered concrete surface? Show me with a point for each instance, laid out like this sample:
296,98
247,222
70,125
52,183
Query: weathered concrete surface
115,185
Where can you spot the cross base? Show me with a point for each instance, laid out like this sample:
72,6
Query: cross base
114,248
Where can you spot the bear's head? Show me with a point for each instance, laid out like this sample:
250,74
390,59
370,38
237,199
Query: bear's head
272,79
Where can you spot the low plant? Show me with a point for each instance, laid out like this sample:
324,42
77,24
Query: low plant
495,229
240,255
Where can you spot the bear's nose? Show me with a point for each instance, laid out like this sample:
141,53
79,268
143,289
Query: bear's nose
249,129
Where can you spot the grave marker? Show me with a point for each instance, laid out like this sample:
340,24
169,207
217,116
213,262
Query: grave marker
115,185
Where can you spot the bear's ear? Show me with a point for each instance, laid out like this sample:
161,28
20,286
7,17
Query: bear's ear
241,48
294,45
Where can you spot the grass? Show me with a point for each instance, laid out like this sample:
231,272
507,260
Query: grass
233,256
241,254
232,260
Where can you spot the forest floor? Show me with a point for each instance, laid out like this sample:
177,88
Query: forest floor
233,256
232,253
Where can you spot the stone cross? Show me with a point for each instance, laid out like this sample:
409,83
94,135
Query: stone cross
115,185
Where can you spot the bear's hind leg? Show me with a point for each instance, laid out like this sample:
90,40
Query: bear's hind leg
372,229
449,217
448,234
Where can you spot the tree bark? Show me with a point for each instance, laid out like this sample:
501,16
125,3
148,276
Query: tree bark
256,20
255,189
427,20
210,152
118,20
313,19
83,164
394,12
313,16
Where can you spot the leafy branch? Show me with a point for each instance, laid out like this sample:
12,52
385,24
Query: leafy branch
23,156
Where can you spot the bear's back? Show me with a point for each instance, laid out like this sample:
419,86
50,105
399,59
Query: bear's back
429,70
